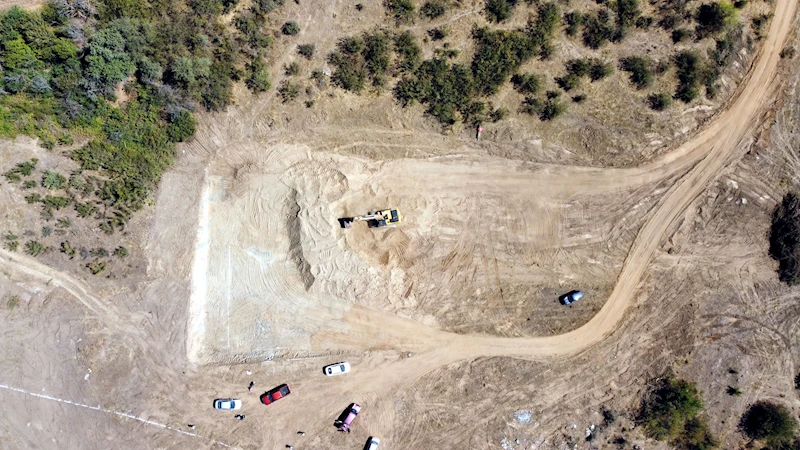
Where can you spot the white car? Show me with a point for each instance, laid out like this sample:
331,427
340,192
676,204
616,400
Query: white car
336,369
228,404
372,443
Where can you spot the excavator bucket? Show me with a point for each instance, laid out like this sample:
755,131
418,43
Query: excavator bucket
346,222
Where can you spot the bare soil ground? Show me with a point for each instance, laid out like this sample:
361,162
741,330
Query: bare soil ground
450,320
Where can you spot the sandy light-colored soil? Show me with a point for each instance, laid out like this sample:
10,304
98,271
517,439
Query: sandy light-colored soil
450,320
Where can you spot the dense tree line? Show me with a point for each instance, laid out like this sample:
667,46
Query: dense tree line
64,67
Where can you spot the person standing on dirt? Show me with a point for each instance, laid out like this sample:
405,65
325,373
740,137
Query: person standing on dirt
250,388
240,416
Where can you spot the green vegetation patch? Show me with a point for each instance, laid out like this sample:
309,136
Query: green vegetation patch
784,239
671,412
770,422
360,59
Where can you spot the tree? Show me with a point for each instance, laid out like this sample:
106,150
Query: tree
500,10
107,61
290,28
714,17
306,50
433,9
768,421
402,10
258,79
640,69
660,101
182,126
669,406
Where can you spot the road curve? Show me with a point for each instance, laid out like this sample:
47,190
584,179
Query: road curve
718,144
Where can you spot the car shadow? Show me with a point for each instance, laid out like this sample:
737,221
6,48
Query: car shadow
339,420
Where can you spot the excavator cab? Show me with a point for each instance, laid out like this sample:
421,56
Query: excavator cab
386,218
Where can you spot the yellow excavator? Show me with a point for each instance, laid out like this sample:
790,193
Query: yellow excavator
385,218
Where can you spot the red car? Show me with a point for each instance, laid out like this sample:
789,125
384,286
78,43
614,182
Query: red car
275,394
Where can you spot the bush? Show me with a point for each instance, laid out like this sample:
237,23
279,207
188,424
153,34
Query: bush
360,58
288,91
182,126
691,73
258,79
669,406
573,19
291,69
660,101
714,17
433,9
410,53
680,34
768,421
290,28
306,50
499,10
597,30
34,248
527,83
446,89
784,239
401,10
499,53
53,180
568,82
627,11
121,252
640,69
437,34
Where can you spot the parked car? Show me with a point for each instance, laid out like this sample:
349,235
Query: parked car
227,404
336,369
372,443
570,297
344,425
275,394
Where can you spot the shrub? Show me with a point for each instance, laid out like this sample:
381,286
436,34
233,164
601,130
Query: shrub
291,69
527,83
446,89
258,79
660,101
401,10
290,28
579,98
596,30
640,69
600,70
288,91
671,403
53,180
627,11
96,267
410,53
573,19
306,50
768,421
733,391
121,252
690,74
34,248
67,249
29,184
54,202
267,6
695,436
433,9
499,53
784,239
568,82
499,10
714,17
437,34
680,34
357,59
182,126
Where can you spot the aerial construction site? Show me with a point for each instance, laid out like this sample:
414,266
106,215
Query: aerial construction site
521,291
